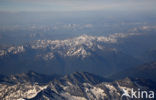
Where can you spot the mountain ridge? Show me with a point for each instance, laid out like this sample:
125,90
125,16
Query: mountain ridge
83,53
146,71
74,86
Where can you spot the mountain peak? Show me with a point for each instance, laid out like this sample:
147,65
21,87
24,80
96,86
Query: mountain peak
85,37
32,73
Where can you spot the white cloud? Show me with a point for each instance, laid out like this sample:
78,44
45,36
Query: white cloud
76,5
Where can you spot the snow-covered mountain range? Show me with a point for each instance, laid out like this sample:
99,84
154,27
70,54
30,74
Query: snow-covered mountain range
72,47
83,53
75,86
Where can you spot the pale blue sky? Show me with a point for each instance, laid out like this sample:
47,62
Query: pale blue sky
75,5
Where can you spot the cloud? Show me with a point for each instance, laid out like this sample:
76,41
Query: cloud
75,5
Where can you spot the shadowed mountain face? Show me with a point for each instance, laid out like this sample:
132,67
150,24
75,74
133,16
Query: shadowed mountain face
30,77
75,86
81,77
147,70
1,77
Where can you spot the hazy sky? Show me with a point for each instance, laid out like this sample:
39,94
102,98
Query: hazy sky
75,5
